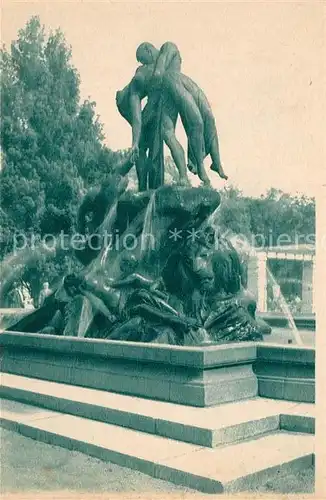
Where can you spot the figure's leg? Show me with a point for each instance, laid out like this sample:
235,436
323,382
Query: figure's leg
175,148
195,137
142,164
142,170
149,126
215,155
191,162
194,127
210,134
191,119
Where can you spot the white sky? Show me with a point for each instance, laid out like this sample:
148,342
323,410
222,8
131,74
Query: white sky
259,63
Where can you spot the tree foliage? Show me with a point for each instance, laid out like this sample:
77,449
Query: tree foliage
51,144
273,219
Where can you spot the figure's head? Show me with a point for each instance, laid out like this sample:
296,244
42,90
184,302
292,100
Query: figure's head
146,53
46,285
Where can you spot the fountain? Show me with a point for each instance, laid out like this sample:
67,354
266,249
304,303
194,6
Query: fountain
155,268
157,258
160,312
177,282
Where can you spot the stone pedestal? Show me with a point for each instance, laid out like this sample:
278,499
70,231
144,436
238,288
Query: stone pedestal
286,372
194,376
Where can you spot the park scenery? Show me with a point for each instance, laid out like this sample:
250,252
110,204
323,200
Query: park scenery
157,320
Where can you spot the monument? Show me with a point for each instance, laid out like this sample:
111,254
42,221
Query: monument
180,282
144,358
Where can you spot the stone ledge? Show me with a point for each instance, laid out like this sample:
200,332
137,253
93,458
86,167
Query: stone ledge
286,372
197,357
195,376
272,353
213,426
303,321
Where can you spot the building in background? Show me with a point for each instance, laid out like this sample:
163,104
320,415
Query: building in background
283,273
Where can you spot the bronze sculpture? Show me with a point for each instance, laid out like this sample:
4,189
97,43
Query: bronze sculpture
185,290
170,93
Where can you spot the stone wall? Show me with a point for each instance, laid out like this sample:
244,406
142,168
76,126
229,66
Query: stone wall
195,376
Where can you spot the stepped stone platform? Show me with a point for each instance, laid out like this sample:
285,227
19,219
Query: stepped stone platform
215,419
211,426
229,447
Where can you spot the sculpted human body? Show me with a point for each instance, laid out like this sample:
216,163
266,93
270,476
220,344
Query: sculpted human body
181,95
194,109
143,125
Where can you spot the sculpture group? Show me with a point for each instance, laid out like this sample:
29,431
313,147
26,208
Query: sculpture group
169,94
187,285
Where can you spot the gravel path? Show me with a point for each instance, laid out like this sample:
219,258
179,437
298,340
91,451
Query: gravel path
28,465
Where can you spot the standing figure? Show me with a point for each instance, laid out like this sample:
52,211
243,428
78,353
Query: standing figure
185,96
144,122
170,93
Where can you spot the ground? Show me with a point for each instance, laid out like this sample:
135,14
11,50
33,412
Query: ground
28,465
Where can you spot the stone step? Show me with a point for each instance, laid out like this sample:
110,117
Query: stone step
236,467
212,426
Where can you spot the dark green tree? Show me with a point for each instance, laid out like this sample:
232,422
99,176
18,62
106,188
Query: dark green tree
51,144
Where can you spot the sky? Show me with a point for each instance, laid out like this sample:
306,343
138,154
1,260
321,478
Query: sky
259,63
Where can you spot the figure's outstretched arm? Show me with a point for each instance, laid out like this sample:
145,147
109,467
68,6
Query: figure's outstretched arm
162,316
133,279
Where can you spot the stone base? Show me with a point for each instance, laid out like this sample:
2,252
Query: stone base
286,372
211,427
178,427
231,447
191,376
194,376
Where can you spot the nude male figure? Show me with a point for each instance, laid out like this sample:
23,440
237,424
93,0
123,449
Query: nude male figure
180,96
185,96
143,122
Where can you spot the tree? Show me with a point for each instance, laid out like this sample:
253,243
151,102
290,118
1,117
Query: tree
51,144
282,219
233,213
